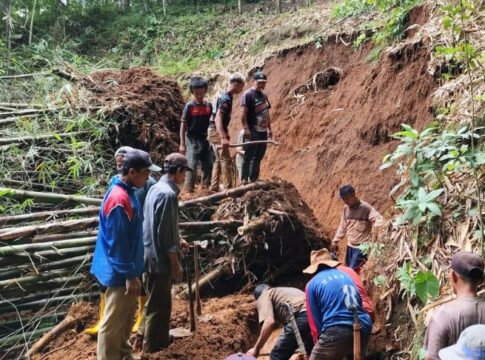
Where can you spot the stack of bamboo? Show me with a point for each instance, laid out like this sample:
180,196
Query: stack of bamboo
46,255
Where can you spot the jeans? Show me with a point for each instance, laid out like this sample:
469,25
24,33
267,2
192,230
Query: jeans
337,343
286,345
355,259
197,152
253,154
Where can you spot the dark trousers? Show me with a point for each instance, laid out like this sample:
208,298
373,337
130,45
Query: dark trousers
337,343
286,345
355,259
253,154
197,151
155,326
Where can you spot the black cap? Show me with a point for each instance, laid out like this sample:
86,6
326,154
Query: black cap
259,290
468,265
177,160
138,159
346,190
259,76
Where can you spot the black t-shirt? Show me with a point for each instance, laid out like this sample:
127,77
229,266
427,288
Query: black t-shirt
197,117
224,104
258,109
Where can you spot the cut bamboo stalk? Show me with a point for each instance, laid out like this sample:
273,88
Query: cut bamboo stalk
7,327
252,226
49,228
207,279
14,119
20,249
54,214
25,139
26,280
18,105
10,340
24,112
24,75
54,283
38,296
60,252
49,197
207,225
225,194
64,236
51,265
56,301
68,323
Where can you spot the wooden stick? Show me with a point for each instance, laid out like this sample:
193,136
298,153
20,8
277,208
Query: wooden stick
225,194
191,298
49,197
49,228
66,324
15,219
196,276
24,75
256,142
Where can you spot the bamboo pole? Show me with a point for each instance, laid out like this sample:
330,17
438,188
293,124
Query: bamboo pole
20,249
64,236
51,265
206,280
7,327
38,296
44,215
56,301
202,225
24,112
9,340
253,226
49,228
61,252
32,279
49,197
53,283
214,198
25,139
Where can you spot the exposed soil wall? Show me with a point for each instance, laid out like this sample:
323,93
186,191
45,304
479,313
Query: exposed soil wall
340,134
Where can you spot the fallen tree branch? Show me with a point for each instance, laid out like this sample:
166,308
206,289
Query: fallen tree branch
68,323
225,194
48,197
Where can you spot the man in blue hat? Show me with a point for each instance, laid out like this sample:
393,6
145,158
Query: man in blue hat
470,345
118,255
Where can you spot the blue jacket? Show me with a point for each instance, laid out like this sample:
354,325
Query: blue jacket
140,193
328,295
118,254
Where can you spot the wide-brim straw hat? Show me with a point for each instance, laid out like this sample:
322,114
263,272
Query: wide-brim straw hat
320,257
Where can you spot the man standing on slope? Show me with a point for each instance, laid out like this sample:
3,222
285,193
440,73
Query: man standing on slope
219,133
162,253
356,222
449,320
257,126
118,255
193,134
330,295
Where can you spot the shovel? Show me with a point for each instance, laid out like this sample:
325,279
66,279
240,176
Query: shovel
191,298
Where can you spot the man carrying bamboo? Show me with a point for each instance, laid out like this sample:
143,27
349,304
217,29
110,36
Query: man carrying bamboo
162,253
218,134
118,255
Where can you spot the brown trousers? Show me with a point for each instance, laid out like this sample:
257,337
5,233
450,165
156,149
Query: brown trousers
115,329
222,167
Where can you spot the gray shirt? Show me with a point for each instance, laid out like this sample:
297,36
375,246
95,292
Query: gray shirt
160,226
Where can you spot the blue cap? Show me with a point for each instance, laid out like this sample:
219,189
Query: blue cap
470,345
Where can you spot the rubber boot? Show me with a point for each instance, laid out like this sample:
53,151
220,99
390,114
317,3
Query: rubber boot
139,313
102,303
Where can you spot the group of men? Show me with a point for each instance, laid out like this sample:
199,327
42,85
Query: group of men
204,132
139,243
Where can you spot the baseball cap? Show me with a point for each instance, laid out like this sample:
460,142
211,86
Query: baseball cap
177,160
320,257
259,76
346,190
139,159
468,265
470,345
123,150
259,290
240,356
